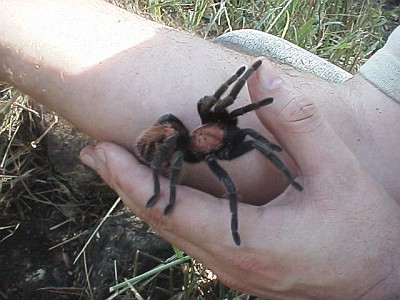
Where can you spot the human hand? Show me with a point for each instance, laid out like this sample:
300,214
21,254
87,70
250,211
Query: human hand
339,238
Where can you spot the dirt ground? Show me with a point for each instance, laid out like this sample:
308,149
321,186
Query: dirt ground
28,268
50,214
36,261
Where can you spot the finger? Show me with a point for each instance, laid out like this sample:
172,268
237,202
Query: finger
295,122
199,223
96,157
196,217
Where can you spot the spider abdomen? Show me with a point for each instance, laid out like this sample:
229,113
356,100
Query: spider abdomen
207,138
149,142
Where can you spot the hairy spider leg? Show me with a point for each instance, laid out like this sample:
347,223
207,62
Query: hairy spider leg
158,161
207,102
239,146
176,167
255,135
222,104
267,149
250,107
232,195
224,87
232,152
277,162
169,118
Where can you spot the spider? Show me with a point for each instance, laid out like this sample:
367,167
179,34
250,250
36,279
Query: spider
168,143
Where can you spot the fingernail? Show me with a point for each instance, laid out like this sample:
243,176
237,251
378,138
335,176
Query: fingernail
268,77
88,161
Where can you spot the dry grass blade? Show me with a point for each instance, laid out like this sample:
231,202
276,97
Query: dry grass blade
11,229
150,273
97,228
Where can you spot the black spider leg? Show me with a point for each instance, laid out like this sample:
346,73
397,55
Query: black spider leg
265,149
176,167
230,187
158,161
240,147
250,107
232,152
205,104
211,100
222,104
255,135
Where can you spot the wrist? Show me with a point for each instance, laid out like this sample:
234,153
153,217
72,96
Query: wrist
375,136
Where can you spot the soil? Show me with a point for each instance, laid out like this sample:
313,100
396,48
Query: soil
34,264
28,267
49,218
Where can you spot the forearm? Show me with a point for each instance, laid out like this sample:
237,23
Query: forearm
112,74
102,64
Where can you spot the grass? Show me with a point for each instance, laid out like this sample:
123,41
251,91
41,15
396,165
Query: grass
345,33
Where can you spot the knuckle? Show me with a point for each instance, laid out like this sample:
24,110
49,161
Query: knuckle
301,114
298,109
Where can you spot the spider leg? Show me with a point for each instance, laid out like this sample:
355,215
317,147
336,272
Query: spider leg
156,164
228,100
230,153
168,118
156,192
277,162
203,108
230,187
252,106
222,89
255,135
205,104
176,166
238,146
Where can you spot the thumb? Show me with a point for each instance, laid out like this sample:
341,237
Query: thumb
295,122
119,169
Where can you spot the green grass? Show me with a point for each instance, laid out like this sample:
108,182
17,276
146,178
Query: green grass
345,33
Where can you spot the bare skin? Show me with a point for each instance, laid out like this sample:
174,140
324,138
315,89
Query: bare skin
338,239
104,86
112,74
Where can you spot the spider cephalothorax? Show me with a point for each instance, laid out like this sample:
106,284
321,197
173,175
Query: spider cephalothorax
168,143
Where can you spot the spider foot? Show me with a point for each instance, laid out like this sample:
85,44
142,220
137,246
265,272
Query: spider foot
236,238
296,185
287,174
151,201
168,209
235,224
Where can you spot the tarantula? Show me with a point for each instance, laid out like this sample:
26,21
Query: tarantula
168,142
